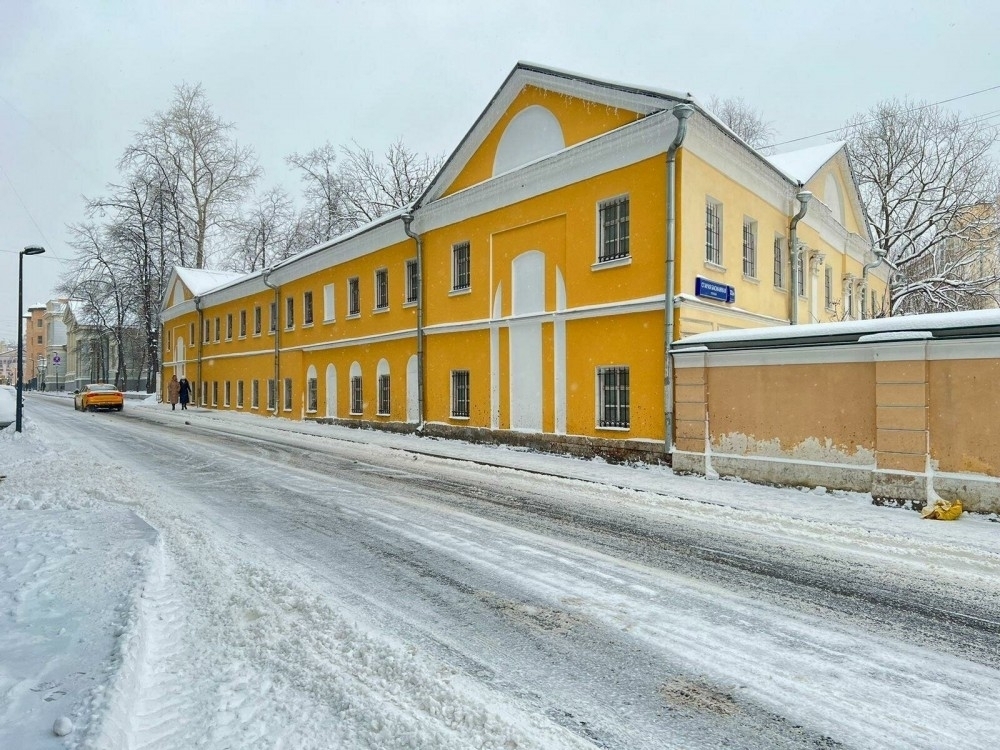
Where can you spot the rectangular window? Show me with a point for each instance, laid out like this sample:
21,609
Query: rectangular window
312,395
218,330
229,327
357,403
779,262
412,281
274,317
289,312
207,332
460,393
749,248
239,394
272,395
288,394
329,308
256,320
713,231
191,333
828,287
227,391
800,273
169,337
383,394
42,322
612,397
254,394
460,272
39,339
613,220
307,308
204,392
243,324
353,296
382,289
215,393
849,296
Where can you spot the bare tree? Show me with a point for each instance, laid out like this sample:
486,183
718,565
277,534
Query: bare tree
743,119
193,151
325,214
929,186
267,232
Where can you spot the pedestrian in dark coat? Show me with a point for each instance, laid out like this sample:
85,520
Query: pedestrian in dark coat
173,390
184,392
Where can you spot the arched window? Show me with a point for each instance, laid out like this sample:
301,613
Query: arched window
357,400
312,391
384,391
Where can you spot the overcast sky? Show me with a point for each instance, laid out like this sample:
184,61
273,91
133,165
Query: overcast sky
78,78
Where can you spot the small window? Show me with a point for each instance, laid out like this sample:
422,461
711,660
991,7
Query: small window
460,393
204,392
208,332
749,248
329,308
312,394
383,395
357,403
382,289
256,320
779,262
272,395
215,393
828,287
191,333
289,312
39,339
613,220
353,296
243,324
227,391
612,397
169,337
713,231
412,281
229,327
218,330
274,317
254,394
307,308
288,394
460,272
42,323
239,394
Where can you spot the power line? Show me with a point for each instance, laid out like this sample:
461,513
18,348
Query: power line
869,122
23,205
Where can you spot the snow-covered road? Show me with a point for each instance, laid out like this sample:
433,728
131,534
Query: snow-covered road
318,590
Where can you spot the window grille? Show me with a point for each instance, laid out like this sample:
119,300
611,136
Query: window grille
288,394
289,312
412,281
312,395
255,394
713,232
307,308
460,393
613,397
383,394
381,289
750,248
357,403
779,262
239,394
614,220
460,272
353,297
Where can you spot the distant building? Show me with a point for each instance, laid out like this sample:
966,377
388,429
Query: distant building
34,346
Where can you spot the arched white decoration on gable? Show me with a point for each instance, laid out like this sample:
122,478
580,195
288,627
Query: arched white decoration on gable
331,391
833,198
533,133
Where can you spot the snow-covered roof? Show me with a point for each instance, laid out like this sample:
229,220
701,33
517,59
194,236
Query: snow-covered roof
803,163
200,280
845,330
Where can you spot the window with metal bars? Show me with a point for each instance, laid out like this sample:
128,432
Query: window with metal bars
288,394
460,270
357,403
353,296
254,394
256,321
228,393
229,327
412,281
307,308
613,397
272,394
713,232
239,394
243,323
779,262
289,312
274,317
613,219
460,393
218,330
749,248
312,395
208,332
383,394
215,393
800,274
382,289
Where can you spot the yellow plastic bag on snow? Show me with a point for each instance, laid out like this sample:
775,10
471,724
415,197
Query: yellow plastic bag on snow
943,510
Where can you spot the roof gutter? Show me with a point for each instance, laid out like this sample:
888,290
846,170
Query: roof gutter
265,274
794,251
682,112
407,221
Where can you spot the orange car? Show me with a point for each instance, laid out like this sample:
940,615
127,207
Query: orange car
98,396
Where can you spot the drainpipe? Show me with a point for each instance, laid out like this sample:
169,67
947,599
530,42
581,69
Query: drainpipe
879,260
682,112
803,197
201,339
277,334
407,220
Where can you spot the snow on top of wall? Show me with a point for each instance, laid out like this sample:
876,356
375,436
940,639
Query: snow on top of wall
200,280
928,322
803,163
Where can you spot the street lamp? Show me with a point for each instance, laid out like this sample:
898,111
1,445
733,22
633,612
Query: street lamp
30,250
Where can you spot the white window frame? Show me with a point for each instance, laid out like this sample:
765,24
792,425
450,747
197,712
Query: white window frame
312,395
381,289
461,267
255,394
243,324
749,248
613,217
384,395
329,303
287,394
258,320
239,394
780,272
227,392
229,326
307,308
713,231
411,273
461,389
357,395
616,415
354,297
272,395
289,313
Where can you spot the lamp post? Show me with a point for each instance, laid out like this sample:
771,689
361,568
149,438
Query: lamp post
30,250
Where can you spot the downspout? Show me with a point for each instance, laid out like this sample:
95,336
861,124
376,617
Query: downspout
201,341
803,197
682,112
879,260
407,220
277,334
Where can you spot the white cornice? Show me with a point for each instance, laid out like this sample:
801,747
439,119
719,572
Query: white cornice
683,301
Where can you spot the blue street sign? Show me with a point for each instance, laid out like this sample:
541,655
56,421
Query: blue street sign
714,290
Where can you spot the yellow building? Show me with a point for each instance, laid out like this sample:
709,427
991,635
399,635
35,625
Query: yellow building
524,294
